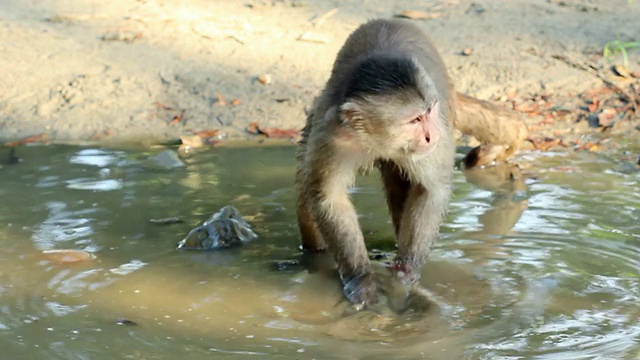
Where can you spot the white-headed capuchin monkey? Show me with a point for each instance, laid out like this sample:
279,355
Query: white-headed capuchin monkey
389,103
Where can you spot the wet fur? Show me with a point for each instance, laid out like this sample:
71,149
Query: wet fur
383,66
342,136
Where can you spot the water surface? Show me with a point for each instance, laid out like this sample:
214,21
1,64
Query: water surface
543,266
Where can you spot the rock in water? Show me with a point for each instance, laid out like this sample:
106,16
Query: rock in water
224,229
168,159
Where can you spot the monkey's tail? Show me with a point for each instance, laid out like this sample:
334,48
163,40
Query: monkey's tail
500,131
489,123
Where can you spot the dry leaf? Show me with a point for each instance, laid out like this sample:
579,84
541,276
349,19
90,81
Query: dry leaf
418,15
560,113
467,51
264,79
28,139
545,144
208,133
623,108
548,119
211,137
275,133
590,146
220,100
606,116
253,128
177,119
235,102
597,92
280,133
526,107
594,105
194,141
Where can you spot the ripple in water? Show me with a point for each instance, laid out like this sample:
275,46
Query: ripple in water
550,275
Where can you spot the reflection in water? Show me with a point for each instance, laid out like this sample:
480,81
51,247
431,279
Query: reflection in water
96,157
508,192
544,268
95,185
507,183
63,226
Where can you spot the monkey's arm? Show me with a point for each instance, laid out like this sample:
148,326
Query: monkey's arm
419,228
337,221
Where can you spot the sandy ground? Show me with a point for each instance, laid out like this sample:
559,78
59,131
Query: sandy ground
153,70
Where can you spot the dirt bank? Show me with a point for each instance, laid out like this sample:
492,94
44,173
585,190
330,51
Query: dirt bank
145,71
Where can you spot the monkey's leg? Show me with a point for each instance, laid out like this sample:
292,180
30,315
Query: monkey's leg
419,227
396,188
310,236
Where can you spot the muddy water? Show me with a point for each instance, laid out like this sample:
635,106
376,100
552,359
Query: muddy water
543,265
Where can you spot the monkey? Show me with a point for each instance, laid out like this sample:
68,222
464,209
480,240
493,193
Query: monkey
388,104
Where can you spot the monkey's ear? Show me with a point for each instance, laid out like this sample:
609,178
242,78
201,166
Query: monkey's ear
350,112
331,114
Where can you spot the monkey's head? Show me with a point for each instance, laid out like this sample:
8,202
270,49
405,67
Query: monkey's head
392,105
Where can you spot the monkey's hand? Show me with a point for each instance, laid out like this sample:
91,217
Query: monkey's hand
361,290
404,272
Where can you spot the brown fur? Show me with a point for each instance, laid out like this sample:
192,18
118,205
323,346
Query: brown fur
344,135
501,131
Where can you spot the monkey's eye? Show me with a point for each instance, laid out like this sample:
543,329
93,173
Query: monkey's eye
415,121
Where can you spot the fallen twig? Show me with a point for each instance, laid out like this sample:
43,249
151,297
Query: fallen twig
322,18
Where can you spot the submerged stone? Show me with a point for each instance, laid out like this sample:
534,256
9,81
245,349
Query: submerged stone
224,229
67,256
167,159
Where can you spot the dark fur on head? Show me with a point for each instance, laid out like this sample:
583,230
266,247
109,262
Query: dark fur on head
382,75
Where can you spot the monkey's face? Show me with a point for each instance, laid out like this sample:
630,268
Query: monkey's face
422,130
392,126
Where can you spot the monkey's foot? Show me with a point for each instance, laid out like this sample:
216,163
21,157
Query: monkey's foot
361,290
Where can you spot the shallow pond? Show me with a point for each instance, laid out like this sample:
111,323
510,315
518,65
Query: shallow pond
542,265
